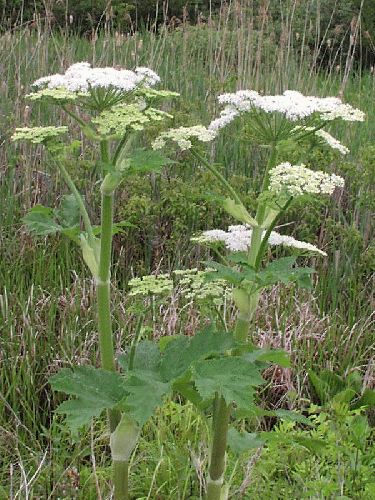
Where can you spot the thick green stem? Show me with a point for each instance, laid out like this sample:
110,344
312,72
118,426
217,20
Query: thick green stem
121,480
215,482
241,328
245,318
106,343
107,354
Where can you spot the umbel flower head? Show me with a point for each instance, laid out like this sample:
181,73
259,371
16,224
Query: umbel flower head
81,77
117,120
183,137
38,135
291,104
238,239
296,180
151,285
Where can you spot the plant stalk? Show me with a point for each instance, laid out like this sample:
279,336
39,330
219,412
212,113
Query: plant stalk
121,480
215,482
106,341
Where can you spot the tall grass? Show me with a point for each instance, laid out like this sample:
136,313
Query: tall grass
46,315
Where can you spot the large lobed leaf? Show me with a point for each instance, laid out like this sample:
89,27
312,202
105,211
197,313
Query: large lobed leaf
94,388
183,351
231,377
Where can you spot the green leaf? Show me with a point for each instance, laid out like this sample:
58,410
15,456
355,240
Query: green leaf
146,393
39,221
277,356
181,352
282,270
68,214
239,258
224,273
95,389
186,388
79,412
326,385
239,212
240,442
344,396
143,161
146,358
291,416
231,377
359,430
367,399
316,446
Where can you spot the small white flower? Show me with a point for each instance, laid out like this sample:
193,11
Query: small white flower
183,135
297,180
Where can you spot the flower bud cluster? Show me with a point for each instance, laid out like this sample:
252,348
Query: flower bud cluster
119,118
160,284
38,135
183,136
194,286
297,180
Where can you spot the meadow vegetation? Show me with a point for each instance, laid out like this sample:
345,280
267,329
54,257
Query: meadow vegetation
47,295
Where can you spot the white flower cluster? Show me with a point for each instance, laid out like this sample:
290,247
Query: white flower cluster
292,104
297,180
238,239
81,77
345,112
326,136
183,135
332,141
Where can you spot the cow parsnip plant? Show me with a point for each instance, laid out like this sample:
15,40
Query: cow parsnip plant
111,107
219,370
229,378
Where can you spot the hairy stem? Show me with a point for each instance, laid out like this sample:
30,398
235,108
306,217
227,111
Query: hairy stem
219,445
